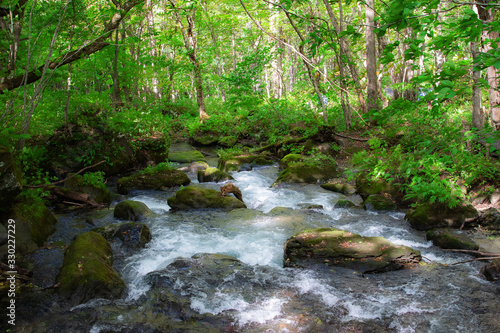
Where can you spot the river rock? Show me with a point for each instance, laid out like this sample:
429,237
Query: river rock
335,247
10,179
189,156
194,167
289,159
343,203
243,162
451,239
340,187
491,271
435,215
133,235
98,192
87,271
228,141
489,219
378,202
213,175
194,197
131,210
152,181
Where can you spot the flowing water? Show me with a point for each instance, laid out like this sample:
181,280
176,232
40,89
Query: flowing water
259,295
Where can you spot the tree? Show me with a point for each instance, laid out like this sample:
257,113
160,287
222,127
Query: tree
371,57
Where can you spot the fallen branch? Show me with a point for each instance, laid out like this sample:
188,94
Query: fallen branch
67,178
278,145
83,198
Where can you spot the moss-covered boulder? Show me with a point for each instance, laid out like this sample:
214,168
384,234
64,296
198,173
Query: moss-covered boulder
289,159
436,215
34,224
344,204
152,181
10,179
306,173
87,271
491,271
335,247
97,191
133,235
451,239
213,175
189,156
367,185
378,202
243,162
194,197
340,187
131,210
228,141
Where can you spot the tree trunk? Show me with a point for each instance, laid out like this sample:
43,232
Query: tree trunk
477,111
115,95
371,60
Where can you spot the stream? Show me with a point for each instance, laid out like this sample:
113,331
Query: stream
256,294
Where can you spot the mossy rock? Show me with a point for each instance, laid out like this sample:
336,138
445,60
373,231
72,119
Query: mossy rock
243,162
228,141
152,181
98,192
286,161
87,271
213,175
193,197
204,139
338,187
306,174
34,224
436,215
131,210
189,156
334,247
367,185
133,235
377,202
10,179
451,239
344,204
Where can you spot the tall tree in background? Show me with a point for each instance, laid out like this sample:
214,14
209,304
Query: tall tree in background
371,57
190,43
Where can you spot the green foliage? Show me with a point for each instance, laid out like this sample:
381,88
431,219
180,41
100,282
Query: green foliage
160,167
94,179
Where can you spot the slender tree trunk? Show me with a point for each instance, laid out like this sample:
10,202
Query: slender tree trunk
217,57
115,95
371,60
477,110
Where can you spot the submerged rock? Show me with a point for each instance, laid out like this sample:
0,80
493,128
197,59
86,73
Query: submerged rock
213,175
152,181
131,210
430,216
133,235
193,197
87,271
335,247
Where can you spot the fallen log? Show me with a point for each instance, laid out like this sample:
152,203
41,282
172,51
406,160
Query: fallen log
67,195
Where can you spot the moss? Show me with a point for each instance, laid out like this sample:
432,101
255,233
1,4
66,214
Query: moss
195,198
228,141
377,202
131,210
344,204
448,239
289,159
367,185
87,270
186,156
152,181
99,192
302,173
243,162
429,216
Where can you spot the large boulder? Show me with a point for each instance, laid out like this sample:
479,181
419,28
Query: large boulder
131,210
193,197
367,185
435,215
10,179
335,247
97,191
243,162
152,181
189,156
87,271
213,175
307,174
